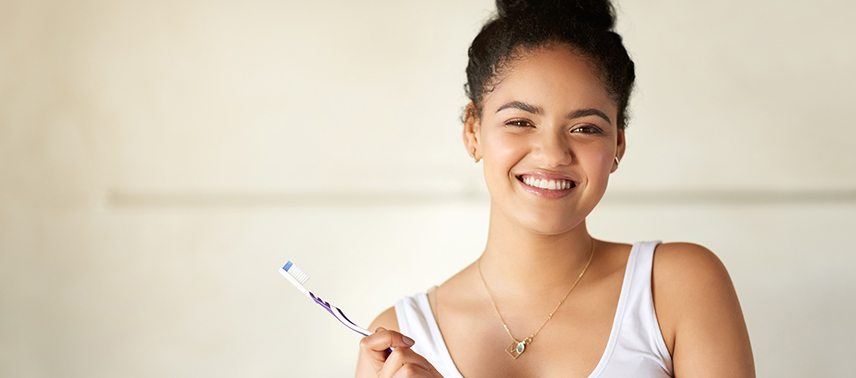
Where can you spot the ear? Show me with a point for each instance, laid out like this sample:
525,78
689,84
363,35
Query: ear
470,134
621,146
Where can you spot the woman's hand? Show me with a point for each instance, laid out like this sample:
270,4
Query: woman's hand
402,362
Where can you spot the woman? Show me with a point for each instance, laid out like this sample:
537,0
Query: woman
549,83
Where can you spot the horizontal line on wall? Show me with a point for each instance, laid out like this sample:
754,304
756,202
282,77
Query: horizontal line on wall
129,199
734,197
275,199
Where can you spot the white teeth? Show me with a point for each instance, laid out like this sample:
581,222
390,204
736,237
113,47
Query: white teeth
548,184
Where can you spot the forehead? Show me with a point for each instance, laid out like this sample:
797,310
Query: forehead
554,77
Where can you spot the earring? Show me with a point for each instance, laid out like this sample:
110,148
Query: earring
475,159
616,160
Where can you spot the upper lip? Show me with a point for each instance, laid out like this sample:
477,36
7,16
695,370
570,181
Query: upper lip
542,174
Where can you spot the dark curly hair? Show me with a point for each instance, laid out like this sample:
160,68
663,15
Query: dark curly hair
586,26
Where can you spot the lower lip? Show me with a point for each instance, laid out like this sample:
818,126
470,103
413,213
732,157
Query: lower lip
546,193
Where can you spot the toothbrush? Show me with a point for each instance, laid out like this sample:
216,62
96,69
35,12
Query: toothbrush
298,277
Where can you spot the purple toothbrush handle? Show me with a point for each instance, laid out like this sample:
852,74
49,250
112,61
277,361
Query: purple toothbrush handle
329,308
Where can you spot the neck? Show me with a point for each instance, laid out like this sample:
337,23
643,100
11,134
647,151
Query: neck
518,262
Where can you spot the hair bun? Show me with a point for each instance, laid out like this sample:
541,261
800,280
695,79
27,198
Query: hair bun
594,14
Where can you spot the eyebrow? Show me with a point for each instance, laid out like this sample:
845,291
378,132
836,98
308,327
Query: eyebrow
535,109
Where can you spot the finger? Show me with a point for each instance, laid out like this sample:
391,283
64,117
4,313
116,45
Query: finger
392,363
400,358
384,338
410,370
377,344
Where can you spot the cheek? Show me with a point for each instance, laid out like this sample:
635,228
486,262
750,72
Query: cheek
596,164
507,146
502,152
596,159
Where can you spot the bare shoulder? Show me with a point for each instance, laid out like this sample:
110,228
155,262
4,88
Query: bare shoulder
692,263
386,319
699,312
684,276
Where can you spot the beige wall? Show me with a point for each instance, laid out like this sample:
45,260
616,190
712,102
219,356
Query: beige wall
160,159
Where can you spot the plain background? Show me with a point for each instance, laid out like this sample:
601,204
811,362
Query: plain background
160,159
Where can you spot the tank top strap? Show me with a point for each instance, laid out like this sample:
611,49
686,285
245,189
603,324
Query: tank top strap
416,320
640,330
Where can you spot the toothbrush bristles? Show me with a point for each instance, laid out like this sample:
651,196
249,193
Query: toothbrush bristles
296,272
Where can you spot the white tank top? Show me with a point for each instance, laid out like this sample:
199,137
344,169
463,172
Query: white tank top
635,347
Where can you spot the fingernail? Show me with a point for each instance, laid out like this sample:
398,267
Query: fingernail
407,340
379,328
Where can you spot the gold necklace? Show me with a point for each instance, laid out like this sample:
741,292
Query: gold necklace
517,347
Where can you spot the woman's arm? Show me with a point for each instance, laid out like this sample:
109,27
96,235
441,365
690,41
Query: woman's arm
694,292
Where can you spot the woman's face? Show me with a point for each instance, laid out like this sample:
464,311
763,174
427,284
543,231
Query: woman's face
549,113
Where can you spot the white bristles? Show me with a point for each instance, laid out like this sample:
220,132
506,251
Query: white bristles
298,274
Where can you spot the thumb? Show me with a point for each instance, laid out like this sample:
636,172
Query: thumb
378,346
392,338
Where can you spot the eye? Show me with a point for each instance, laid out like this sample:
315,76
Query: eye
518,123
591,129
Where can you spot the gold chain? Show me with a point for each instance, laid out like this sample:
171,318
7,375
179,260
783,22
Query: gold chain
529,339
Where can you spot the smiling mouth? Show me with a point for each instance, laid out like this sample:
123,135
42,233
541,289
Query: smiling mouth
548,185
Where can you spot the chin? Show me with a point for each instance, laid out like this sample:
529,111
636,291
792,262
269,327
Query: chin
552,225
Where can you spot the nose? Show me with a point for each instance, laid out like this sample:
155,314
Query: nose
554,150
